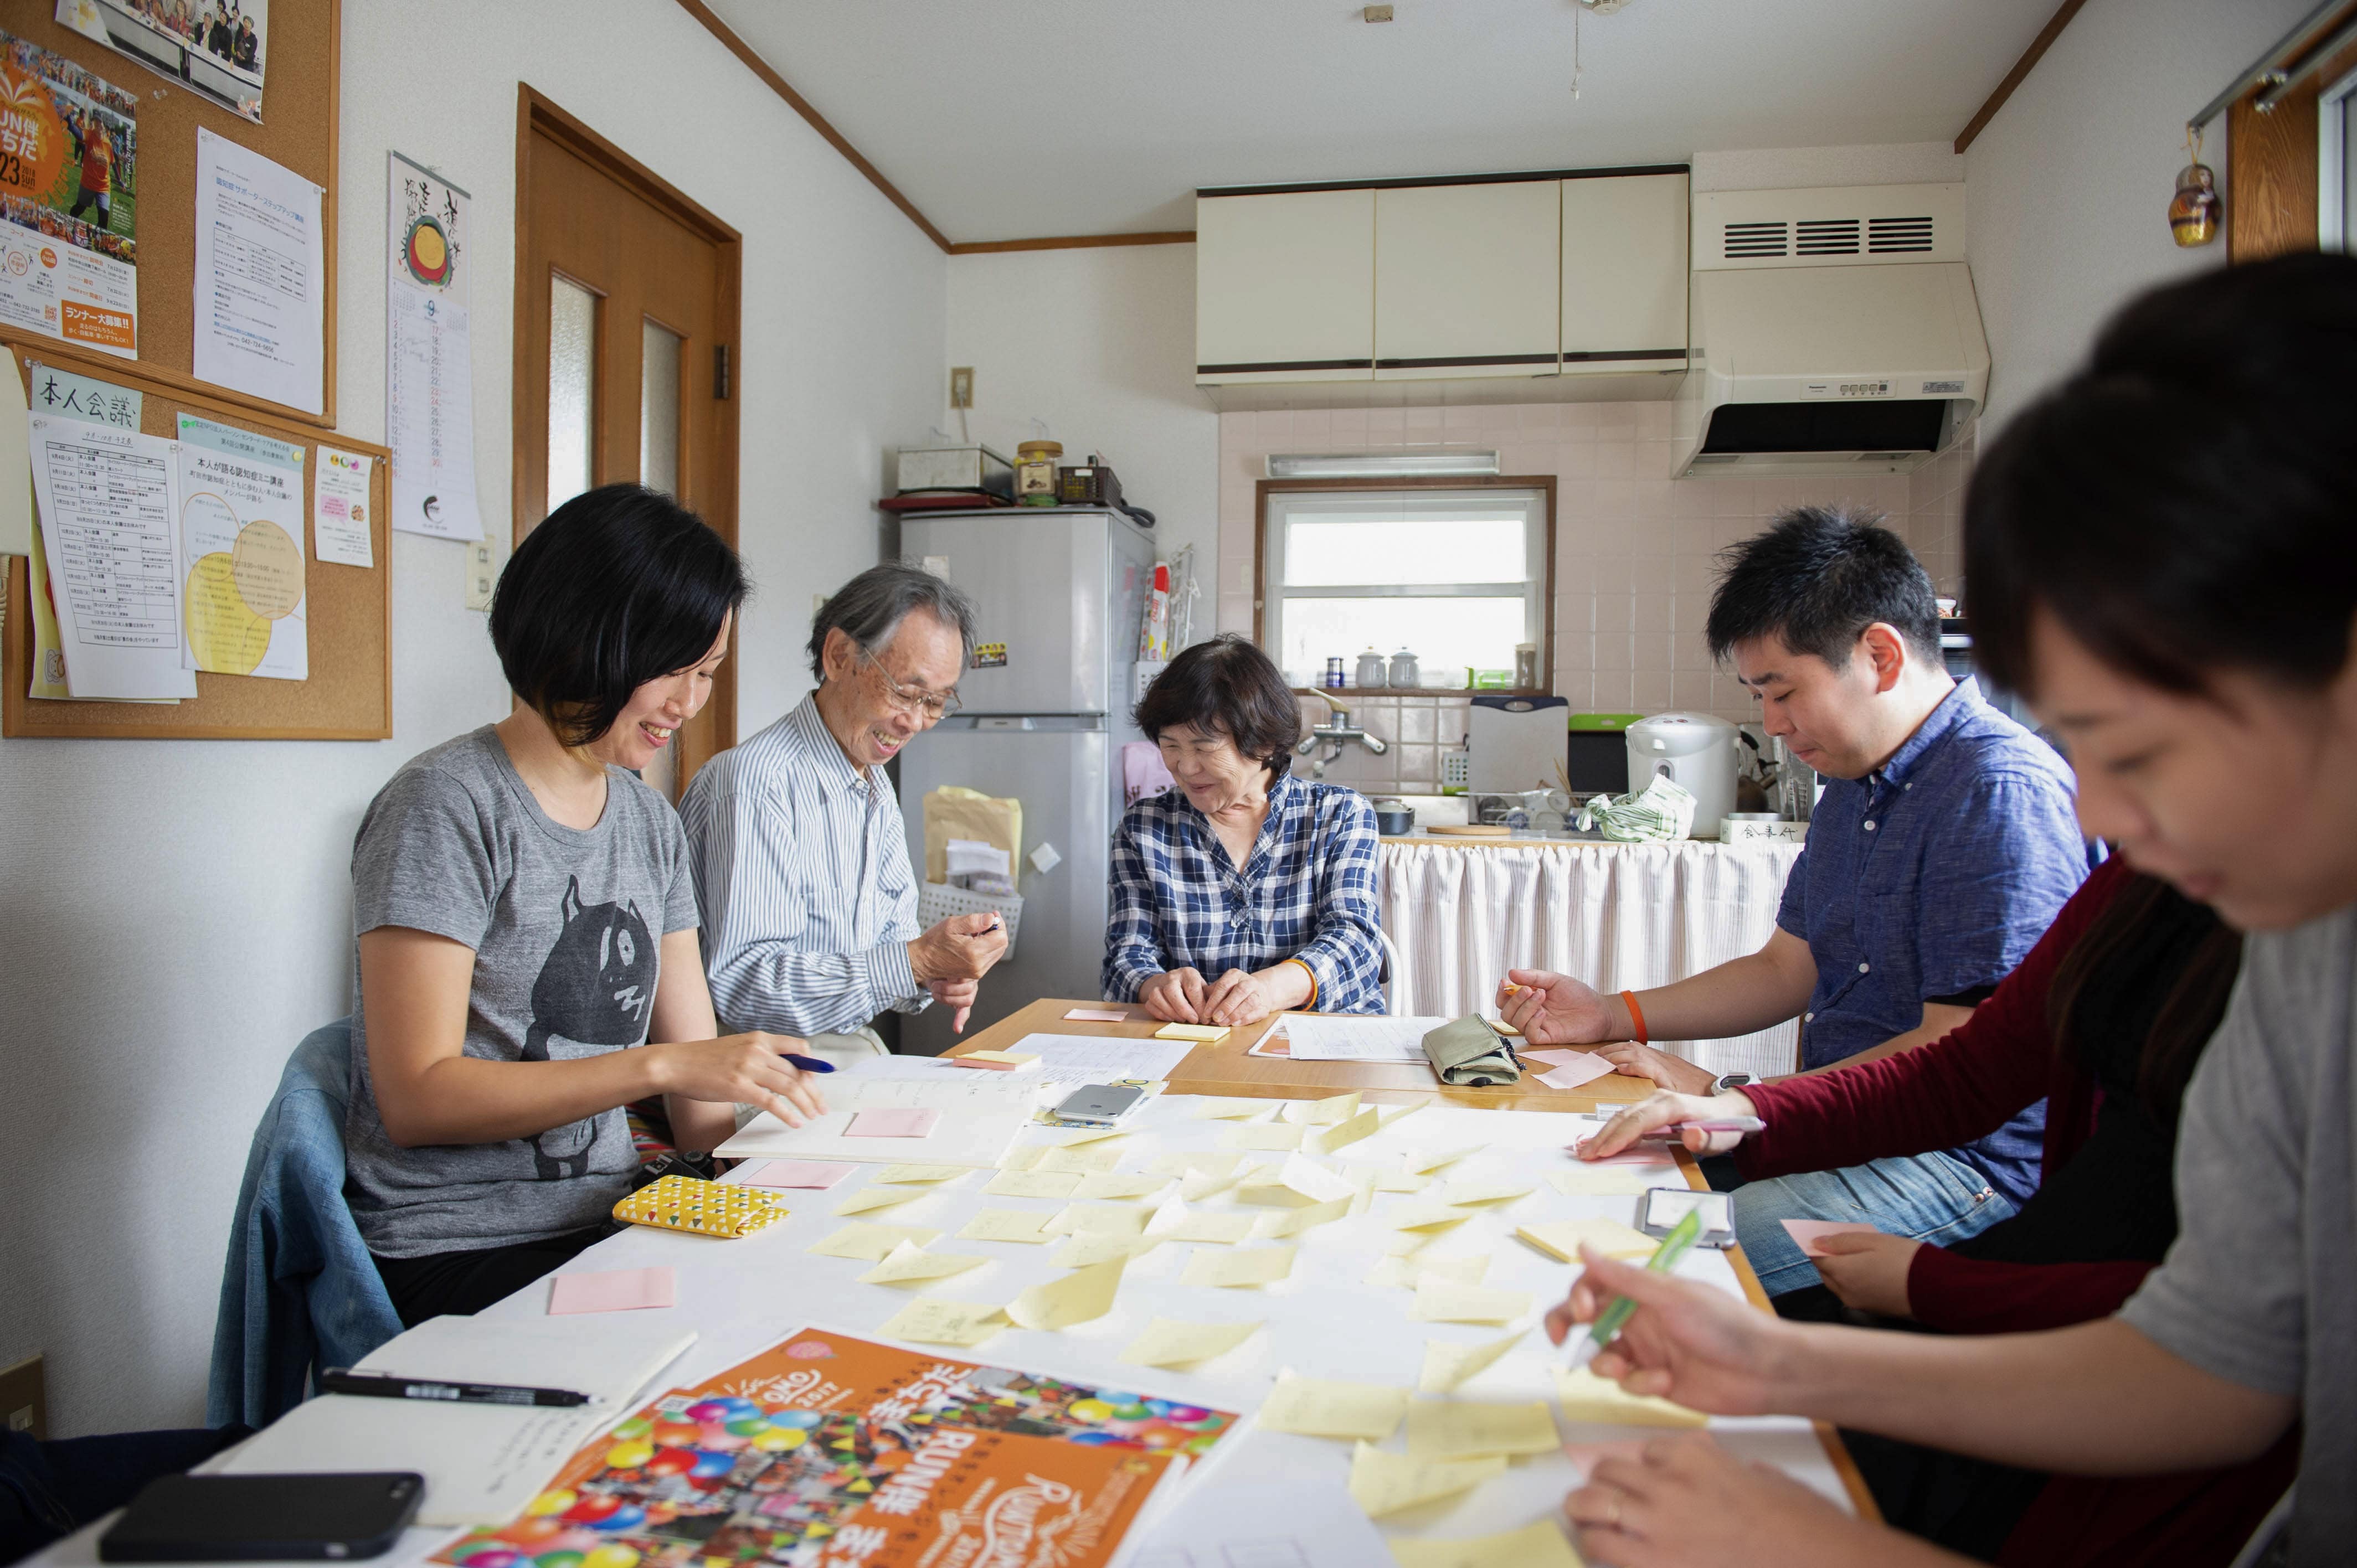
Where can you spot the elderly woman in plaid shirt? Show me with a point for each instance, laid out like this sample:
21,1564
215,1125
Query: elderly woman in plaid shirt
1244,891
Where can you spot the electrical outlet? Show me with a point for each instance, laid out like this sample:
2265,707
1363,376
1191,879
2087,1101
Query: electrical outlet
482,573
24,1402
962,386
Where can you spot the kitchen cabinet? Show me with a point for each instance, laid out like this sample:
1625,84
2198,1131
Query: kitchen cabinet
1467,279
1624,273
1285,286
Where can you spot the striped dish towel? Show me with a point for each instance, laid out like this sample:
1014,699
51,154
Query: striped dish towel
1665,810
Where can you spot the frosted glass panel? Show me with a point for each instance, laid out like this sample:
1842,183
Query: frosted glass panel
1444,634
659,409
571,388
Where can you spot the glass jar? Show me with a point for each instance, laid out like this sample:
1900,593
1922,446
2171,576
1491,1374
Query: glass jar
1526,666
1035,472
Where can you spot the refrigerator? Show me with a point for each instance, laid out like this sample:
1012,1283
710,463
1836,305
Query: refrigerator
1059,591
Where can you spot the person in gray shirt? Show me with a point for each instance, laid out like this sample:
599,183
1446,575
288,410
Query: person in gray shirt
524,915
2160,557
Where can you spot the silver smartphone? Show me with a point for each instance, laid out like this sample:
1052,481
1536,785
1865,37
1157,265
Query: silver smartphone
1099,1104
1663,1207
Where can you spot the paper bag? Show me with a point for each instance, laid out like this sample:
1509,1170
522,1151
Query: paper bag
951,812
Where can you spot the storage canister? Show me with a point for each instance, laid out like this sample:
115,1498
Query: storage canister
1035,472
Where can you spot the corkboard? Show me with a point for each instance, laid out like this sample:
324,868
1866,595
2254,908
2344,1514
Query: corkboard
298,131
350,693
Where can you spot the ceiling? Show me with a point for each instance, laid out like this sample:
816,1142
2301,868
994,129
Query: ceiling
1007,119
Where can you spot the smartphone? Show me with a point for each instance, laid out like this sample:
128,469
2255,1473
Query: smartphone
264,1518
1661,1208
1099,1104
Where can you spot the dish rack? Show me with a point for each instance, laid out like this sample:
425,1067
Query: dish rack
936,901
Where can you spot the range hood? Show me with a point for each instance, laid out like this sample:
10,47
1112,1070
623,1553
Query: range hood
1834,331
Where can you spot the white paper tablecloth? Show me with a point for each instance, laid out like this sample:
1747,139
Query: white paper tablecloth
1620,916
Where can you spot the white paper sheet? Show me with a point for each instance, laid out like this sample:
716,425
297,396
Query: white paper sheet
428,364
1246,1522
261,276
1337,1038
242,574
1089,1058
482,1463
982,1115
110,530
339,507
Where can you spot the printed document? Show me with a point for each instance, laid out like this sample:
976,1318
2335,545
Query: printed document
1350,1037
261,276
109,503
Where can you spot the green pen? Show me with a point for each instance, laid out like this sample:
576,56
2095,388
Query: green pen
1613,1318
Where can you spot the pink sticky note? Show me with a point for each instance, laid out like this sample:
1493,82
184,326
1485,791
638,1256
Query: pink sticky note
614,1290
799,1173
893,1121
1572,1067
1809,1232
1093,1015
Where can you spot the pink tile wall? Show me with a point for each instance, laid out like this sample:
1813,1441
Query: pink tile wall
1634,551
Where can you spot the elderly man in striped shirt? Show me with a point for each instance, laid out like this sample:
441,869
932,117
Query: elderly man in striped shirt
802,867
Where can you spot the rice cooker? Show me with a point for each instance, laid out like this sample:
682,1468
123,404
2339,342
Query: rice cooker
1699,750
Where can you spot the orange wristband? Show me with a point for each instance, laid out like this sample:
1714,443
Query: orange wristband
1313,981
1637,1017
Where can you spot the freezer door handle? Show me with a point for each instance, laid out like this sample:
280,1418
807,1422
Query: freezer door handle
1002,724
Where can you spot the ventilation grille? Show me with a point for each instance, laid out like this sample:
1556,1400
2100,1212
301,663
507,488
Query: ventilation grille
1827,237
1895,236
1746,240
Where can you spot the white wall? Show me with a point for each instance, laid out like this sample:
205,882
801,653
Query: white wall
1100,344
2068,188
174,916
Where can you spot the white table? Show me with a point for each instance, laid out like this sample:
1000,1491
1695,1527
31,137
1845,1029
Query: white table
1618,916
742,1296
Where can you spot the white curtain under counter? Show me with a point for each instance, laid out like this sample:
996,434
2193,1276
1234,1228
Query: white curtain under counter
1618,916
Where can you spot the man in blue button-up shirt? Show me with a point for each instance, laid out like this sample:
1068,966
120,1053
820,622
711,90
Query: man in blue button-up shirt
1944,845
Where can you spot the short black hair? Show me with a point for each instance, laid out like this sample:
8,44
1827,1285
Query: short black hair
870,607
618,585
1818,578
1229,687
2182,502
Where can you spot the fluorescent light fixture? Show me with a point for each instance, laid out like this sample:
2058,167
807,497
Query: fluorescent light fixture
1392,463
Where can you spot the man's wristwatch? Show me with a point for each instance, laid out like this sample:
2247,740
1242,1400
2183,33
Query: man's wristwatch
1727,1081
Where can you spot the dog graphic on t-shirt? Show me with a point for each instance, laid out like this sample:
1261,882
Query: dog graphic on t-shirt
597,988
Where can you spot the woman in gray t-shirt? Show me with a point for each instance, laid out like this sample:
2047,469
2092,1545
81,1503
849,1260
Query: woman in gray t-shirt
524,915
2159,554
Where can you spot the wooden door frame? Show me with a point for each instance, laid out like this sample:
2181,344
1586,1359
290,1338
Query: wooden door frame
537,115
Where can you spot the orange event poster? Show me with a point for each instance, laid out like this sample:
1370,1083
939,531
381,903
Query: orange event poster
829,1452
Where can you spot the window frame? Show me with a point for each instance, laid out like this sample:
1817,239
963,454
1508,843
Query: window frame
2336,110
1267,491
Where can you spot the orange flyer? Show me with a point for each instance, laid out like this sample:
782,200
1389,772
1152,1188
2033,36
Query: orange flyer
825,1451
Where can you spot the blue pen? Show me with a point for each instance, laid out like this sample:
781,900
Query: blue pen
809,1064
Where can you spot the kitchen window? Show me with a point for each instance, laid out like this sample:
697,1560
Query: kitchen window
2336,194
1453,573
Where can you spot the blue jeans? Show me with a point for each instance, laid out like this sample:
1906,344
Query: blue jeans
1930,1198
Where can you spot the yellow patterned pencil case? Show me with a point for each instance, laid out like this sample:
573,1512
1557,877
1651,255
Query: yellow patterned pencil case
707,1207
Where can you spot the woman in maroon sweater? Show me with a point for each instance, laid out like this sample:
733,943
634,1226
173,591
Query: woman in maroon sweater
2104,1020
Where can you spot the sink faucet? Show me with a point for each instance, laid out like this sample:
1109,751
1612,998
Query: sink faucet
1325,742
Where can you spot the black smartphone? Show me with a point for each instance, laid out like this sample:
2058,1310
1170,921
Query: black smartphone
264,1518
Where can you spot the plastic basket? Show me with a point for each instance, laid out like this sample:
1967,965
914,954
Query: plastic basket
936,901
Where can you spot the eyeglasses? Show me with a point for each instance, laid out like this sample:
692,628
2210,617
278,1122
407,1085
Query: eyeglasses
934,705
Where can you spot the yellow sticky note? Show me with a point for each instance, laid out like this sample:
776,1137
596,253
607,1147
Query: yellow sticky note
1424,1161
1007,1225
1201,1184
1583,1396
1168,1342
1265,1135
1097,1220
1439,1299
1362,1188
1174,1221
1239,1267
1317,1407
871,1243
1365,1124
1109,1184
1219,1107
1384,1483
1426,1217
1465,1192
1068,1137
1014,1060
909,1263
1466,1429
928,1320
1400,1181
1033,1184
1298,1183
881,1197
1395,1112
1536,1545
1609,1181
1080,1251
1561,1239
1022,1157
1446,1365
1403,1273
1079,1297
1203,1034
1083,1157
1294,1222
1329,1112
924,1173
1196,1164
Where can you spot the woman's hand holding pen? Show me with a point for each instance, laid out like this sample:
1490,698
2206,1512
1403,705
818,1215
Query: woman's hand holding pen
746,1069
1691,1343
1663,1109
